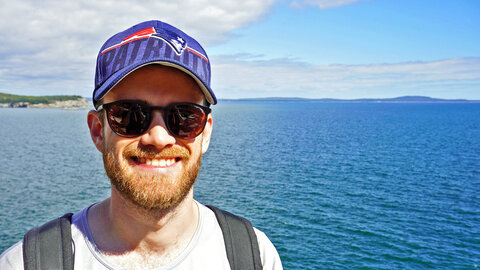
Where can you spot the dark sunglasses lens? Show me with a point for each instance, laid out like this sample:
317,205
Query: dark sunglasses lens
128,119
186,120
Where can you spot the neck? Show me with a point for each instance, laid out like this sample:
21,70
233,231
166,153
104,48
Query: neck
118,226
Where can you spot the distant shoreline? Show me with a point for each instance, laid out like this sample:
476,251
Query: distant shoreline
65,102
75,102
404,99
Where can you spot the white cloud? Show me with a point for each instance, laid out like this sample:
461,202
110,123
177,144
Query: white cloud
235,77
53,44
322,4
49,47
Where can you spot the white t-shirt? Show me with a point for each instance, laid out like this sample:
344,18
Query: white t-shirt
206,249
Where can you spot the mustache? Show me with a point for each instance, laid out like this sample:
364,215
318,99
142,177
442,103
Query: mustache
175,151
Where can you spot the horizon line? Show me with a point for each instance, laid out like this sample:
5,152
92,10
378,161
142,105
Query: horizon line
277,98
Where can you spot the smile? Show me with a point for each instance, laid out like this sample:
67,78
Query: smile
156,162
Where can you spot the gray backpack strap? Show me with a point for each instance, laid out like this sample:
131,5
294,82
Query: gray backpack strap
49,246
240,241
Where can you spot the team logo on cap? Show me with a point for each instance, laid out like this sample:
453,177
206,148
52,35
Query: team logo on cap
177,43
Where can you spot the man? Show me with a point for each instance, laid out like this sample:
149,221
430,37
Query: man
152,124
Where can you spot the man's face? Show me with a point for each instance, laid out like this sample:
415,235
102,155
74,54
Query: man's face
155,170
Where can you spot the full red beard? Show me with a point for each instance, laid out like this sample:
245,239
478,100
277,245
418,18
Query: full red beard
148,190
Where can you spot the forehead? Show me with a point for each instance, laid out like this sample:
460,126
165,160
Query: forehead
157,85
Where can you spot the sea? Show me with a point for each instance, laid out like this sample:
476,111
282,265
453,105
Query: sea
333,185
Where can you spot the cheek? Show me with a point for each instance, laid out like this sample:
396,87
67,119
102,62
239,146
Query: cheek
195,145
114,144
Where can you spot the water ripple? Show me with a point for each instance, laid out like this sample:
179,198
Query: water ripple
334,186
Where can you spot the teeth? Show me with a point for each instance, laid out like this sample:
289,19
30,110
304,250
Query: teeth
158,162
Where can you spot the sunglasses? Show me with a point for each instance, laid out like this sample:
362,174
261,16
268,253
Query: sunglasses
132,118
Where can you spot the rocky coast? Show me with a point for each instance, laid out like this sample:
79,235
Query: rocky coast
64,102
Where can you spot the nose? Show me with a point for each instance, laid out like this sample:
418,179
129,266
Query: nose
157,135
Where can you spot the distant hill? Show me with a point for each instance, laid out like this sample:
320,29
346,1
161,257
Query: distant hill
10,100
404,99
19,101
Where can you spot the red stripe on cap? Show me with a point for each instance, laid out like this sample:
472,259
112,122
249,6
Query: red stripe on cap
146,31
197,53
121,44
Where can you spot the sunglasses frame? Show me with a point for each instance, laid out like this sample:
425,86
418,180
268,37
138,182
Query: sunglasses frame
148,109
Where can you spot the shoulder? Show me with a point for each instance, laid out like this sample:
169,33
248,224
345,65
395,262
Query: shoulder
268,252
12,258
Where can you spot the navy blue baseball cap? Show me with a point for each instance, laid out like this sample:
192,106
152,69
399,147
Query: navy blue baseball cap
151,42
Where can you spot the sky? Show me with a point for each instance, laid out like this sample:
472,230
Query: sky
287,48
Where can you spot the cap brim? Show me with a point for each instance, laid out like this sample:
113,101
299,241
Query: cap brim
118,76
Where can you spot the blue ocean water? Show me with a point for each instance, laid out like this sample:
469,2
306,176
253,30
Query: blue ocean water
334,186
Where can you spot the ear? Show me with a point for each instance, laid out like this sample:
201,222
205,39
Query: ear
95,126
207,132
